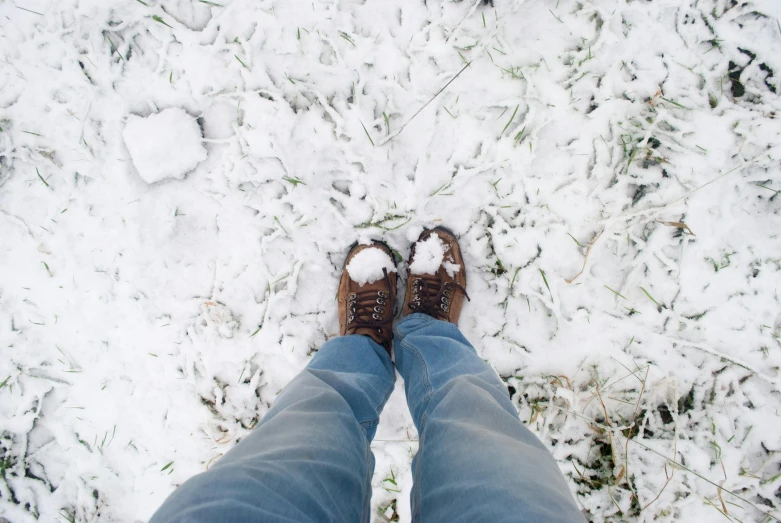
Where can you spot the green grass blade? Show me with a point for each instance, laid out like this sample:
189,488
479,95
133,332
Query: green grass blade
511,119
114,48
658,305
242,63
29,11
576,241
515,275
676,104
545,280
41,177
347,37
615,292
768,188
631,158
367,133
160,20
294,180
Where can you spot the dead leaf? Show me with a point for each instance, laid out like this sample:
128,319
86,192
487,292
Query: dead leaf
680,225
656,95
723,505
620,474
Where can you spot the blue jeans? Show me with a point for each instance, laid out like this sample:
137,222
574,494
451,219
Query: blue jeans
309,459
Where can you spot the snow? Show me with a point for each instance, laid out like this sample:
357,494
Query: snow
164,146
430,255
367,266
143,324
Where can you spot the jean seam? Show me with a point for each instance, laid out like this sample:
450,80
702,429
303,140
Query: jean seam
379,407
415,501
409,348
369,424
365,513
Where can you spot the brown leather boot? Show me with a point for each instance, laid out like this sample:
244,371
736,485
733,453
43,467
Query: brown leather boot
367,293
436,281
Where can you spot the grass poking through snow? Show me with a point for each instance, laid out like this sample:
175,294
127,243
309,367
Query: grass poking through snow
510,120
545,280
160,20
367,133
658,305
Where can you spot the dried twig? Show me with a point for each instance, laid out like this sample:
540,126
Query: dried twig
588,250
395,134
669,478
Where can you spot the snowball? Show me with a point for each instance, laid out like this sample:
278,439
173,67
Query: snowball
430,256
367,265
166,145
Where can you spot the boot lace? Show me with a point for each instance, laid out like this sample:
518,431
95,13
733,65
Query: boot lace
431,296
366,309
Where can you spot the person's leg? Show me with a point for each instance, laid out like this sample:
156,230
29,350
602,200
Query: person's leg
308,460
476,460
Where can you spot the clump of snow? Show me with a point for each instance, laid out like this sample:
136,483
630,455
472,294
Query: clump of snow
367,265
217,319
451,268
430,256
164,146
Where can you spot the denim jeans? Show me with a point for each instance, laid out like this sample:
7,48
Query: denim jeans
309,459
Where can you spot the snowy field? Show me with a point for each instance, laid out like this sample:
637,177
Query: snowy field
611,167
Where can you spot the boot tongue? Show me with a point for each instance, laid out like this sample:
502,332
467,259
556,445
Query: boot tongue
373,310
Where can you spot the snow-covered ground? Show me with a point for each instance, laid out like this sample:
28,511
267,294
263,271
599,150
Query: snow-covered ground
611,167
